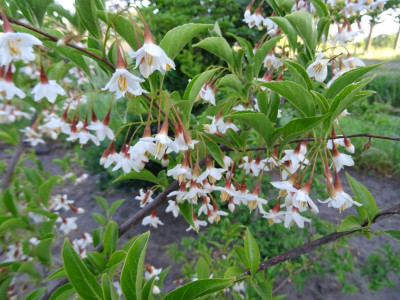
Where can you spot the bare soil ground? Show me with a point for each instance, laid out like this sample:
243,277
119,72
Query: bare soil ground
385,190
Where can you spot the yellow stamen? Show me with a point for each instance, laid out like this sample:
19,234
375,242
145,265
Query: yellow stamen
270,221
12,45
317,67
122,83
149,59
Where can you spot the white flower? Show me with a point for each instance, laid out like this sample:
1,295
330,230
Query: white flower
207,94
122,82
151,57
292,216
302,200
48,89
173,208
152,220
151,272
83,136
60,202
67,224
319,68
9,90
144,197
17,45
212,173
353,62
180,172
340,160
32,137
197,224
102,130
271,61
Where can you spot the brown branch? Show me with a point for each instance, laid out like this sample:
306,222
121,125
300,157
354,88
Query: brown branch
55,39
368,135
324,240
14,158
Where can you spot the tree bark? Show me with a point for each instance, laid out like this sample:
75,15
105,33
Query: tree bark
369,39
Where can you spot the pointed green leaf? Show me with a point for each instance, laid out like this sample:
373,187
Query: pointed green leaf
202,269
142,175
252,252
298,73
219,47
298,96
45,190
132,272
261,53
363,196
177,38
303,23
199,288
195,85
257,121
111,238
349,223
288,29
43,250
346,79
83,281
87,12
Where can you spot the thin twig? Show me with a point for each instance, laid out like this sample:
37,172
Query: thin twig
368,135
14,159
325,240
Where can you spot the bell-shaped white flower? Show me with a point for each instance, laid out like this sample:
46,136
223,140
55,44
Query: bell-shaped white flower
292,216
16,45
122,82
49,89
152,220
151,57
8,88
173,208
319,68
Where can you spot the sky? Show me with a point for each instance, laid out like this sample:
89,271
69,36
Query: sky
388,26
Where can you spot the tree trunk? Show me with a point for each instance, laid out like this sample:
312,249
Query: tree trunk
396,41
369,40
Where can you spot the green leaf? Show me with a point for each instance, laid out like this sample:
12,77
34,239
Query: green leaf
202,269
295,127
45,190
233,272
43,250
298,96
321,101
215,151
107,286
13,223
102,202
323,27
8,199
186,210
363,196
231,81
83,281
142,175
394,234
287,28
64,292
195,85
116,258
99,218
60,273
303,23
348,78
257,121
123,27
29,268
219,47
177,38
36,294
39,8
241,253
350,223
132,272
115,205
346,98
147,292
87,12
97,260
199,288
252,252
320,7
261,53
298,73
111,238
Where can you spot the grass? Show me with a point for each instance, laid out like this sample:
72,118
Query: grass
383,156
